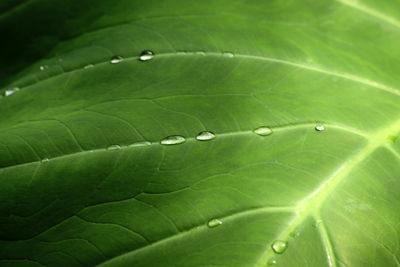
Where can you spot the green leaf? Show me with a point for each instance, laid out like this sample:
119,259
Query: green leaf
200,133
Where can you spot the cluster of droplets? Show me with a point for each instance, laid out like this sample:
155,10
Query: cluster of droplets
202,136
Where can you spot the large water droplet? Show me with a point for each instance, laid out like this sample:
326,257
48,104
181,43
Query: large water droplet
279,246
116,59
142,143
263,131
173,140
113,147
146,55
214,223
205,136
10,91
319,128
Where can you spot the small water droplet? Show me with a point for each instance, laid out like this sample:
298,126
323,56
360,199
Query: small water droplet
88,66
10,91
295,234
279,246
228,54
142,143
201,53
113,147
205,136
146,55
45,160
272,262
214,223
320,128
116,59
317,223
263,131
173,140
43,67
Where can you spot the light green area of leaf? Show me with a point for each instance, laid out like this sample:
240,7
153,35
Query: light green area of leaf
86,180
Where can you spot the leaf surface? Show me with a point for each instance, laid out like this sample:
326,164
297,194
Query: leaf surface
84,179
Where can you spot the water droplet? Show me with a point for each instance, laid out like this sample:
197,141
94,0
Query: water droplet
10,91
43,67
295,234
45,160
88,66
116,59
320,128
205,136
228,54
113,147
214,223
263,131
201,53
143,143
173,140
317,223
272,262
146,55
279,246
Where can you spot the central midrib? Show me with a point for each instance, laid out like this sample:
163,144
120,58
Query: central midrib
311,205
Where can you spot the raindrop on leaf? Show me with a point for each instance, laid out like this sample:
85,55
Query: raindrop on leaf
146,55
279,246
116,59
205,136
173,140
214,223
263,131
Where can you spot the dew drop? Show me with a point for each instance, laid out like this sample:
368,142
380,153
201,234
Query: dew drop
45,160
146,55
205,136
317,223
295,234
272,262
11,91
228,54
214,223
320,128
113,147
279,246
263,131
43,67
142,143
173,140
88,66
116,59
